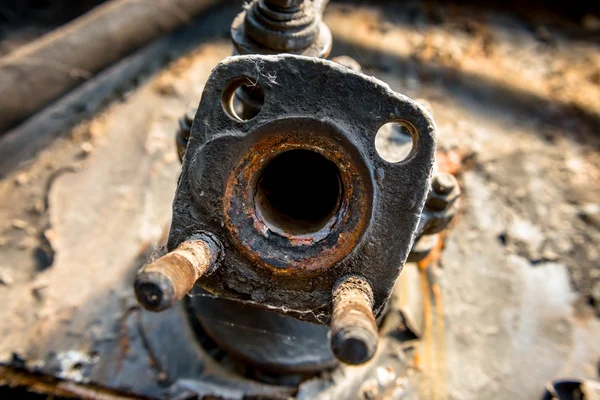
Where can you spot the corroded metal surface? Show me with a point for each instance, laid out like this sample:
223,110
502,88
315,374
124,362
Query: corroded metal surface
166,280
529,163
308,106
301,248
267,340
440,208
354,334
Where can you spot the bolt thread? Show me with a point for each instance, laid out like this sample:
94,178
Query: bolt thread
282,29
166,280
354,336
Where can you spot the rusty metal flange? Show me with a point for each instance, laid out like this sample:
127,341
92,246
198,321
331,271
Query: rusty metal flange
267,28
316,129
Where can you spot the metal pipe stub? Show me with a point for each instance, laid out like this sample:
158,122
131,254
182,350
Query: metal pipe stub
311,222
354,335
166,280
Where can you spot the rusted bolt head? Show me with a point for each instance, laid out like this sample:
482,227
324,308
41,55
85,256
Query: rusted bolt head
444,194
443,183
280,252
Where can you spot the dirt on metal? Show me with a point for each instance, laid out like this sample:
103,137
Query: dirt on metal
514,97
346,226
354,331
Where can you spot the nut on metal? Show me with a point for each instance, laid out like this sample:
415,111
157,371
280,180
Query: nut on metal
445,191
273,27
279,29
167,279
354,335
443,183
440,208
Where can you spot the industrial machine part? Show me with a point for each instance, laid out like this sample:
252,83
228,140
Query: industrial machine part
282,26
440,208
199,256
294,210
285,214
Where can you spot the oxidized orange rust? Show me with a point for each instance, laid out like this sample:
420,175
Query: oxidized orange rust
243,180
166,280
354,334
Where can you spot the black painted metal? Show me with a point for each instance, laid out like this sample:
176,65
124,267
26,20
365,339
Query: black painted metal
305,98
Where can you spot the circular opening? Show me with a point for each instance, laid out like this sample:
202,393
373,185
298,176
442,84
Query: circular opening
298,192
394,142
243,99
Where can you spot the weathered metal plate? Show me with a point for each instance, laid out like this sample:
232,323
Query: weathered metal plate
512,320
309,104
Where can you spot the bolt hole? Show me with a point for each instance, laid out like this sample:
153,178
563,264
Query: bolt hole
243,99
394,142
298,192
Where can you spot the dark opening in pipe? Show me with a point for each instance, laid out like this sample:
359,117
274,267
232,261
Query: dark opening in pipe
298,192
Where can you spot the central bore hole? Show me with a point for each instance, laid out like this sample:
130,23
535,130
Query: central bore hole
298,192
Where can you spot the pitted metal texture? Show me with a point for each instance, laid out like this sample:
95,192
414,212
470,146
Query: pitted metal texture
315,112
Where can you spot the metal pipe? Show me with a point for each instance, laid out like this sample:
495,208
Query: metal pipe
36,74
